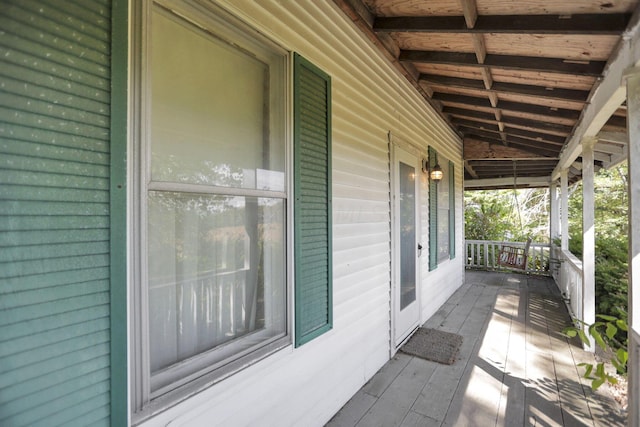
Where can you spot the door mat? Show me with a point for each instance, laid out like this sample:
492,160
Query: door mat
431,344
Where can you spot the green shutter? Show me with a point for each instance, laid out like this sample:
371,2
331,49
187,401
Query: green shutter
118,218
433,213
452,211
312,205
55,213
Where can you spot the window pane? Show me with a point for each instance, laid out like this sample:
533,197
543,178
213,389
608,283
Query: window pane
443,234
407,235
216,274
216,110
443,212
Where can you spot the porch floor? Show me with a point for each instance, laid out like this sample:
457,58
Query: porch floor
514,367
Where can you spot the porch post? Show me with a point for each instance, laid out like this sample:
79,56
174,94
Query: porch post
588,234
564,222
554,216
633,128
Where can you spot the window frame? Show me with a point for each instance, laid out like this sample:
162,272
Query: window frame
145,402
435,207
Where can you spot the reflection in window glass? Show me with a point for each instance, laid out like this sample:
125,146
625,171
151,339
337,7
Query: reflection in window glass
443,212
215,110
215,273
407,235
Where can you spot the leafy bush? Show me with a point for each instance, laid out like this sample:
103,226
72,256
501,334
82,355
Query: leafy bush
603,333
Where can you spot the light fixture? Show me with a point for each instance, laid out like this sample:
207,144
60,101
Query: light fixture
436,174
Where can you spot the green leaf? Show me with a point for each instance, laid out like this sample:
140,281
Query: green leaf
622,325
617,365
622,355
606,317
583,337
588,368
596,384
611,330
596,335
570,332
600,370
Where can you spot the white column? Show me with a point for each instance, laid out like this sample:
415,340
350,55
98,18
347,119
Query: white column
633,124
588,234
554,213
564,221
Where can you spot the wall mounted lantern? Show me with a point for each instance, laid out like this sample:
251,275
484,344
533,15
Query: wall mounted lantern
436,174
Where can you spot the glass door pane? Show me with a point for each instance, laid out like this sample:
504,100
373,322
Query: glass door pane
407,235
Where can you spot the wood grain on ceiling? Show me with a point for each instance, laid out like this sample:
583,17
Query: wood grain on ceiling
511,77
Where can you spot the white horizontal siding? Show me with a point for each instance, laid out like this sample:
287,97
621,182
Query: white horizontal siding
307,385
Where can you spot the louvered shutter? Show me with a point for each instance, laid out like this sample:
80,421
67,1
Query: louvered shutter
433,213
312,204
54,212
452,211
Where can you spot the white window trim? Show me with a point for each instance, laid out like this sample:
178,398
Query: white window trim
143,403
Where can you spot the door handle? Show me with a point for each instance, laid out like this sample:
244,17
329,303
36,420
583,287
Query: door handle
419,250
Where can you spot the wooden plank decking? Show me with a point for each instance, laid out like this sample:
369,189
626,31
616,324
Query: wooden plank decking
514,367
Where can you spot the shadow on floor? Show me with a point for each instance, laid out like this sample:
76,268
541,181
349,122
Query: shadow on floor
515,368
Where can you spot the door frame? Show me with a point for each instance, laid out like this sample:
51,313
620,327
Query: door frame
397,153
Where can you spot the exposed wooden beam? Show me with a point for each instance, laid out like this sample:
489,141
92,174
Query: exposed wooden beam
589,24
611,149
527,146
507,105
524,182
617,121
528,123
470,170
474,149
487,78
512,139
479,47
520,89
463,124
470,12
475,124
530,63
615,137
608,94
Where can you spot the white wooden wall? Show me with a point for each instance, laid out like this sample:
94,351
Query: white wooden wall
306,386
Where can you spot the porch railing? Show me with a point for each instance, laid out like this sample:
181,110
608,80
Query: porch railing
567,272
543,259
483,254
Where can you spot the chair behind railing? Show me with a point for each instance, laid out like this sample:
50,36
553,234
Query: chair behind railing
484,254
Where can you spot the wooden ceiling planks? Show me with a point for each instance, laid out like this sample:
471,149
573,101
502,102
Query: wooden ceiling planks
503,72
543,7
414,7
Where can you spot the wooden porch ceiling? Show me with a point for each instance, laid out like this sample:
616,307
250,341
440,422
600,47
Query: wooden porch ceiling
512,78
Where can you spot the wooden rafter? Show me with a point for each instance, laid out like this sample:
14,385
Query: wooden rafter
515,88
591,24
552,65
512,75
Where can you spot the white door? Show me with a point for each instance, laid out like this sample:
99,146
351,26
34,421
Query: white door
406,245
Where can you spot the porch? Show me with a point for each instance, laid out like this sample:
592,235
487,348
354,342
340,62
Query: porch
514,367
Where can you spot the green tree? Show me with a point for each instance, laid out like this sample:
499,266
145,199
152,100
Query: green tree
611,227
507,215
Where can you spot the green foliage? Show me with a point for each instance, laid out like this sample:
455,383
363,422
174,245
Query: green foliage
603,333
486,215
507,215
611,204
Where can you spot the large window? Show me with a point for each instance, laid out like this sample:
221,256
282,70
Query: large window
214,194
219,153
